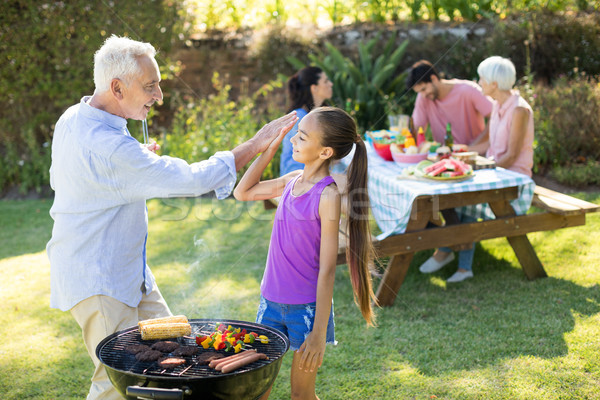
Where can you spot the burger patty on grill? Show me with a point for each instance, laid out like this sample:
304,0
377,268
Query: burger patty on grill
136,348
171,362
206,357
166,346
185,351
148,355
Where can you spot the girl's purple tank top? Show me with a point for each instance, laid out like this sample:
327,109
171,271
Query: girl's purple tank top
293,260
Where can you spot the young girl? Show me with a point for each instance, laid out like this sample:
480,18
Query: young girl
297,286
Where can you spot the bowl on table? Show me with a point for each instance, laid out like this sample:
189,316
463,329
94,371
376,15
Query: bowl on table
403,158
381,141
383,150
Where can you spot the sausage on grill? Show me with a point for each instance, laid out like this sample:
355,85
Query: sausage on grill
242,362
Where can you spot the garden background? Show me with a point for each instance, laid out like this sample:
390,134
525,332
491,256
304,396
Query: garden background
223,65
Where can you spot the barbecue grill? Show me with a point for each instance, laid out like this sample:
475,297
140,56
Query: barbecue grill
147,380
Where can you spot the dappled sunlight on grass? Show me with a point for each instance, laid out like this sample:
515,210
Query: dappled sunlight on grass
400,368
497,336
437,281
39,338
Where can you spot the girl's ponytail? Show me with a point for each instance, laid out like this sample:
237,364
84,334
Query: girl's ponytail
359,252
339,132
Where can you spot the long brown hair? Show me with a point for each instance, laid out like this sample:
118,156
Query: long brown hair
340,133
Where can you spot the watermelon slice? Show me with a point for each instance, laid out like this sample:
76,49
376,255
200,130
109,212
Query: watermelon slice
437,171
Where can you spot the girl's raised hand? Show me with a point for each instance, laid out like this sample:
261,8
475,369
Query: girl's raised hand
274,145
271,131
312,351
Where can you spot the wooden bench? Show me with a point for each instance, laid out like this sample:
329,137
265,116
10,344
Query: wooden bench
559,203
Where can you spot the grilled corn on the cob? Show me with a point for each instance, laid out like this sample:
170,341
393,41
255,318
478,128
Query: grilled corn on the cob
164,320
165,330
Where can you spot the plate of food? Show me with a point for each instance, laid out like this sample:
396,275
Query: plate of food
448,169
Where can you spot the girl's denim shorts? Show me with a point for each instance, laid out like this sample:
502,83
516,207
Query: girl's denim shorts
293,320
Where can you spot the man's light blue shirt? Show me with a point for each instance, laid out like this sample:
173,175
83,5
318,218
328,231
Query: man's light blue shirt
102,178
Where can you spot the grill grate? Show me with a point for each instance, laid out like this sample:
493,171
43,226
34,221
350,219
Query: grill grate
113,352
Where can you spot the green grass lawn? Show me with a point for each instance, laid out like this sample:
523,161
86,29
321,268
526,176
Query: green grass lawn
497,336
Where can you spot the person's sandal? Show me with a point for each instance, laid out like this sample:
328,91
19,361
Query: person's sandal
431,265
460,276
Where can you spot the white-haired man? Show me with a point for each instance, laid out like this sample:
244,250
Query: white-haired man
102,178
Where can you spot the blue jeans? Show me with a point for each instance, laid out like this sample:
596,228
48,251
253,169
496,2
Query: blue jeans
293,320
465,257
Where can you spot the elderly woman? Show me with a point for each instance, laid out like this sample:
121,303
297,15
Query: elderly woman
307,89
508,139
510,136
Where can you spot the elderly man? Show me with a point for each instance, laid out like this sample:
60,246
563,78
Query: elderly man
102,177
440,101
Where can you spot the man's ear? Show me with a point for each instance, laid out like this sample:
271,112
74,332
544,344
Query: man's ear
326,153
434,79
116,88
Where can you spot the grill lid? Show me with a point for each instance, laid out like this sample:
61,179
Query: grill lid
111,351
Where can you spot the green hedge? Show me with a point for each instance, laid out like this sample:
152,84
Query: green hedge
47,50
567,117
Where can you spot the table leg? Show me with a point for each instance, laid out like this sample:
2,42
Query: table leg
531,264
393,278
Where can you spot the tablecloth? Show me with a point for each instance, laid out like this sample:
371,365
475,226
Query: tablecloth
392,198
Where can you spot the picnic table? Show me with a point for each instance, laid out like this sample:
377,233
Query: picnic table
409,214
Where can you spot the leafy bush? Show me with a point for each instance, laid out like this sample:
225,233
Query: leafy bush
48,52
202,127
578,175
368,88
567,118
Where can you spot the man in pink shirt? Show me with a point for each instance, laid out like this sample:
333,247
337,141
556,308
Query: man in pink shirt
440,101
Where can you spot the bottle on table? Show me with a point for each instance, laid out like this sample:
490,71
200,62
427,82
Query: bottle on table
420,137
448,140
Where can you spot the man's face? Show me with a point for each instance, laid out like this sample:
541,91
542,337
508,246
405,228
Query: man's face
143,90
428,89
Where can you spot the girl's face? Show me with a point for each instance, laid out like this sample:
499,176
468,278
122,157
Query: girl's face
323,90
306,143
